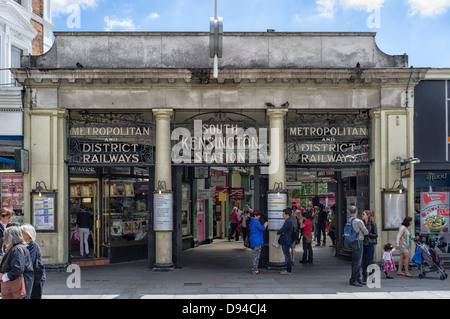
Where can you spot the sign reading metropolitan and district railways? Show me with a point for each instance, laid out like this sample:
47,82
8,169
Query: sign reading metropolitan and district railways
110,145
327,144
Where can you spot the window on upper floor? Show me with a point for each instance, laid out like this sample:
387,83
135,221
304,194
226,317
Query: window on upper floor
16,55
18,1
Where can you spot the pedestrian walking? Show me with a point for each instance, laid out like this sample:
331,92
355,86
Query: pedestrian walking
369,243
306,226
388,261
332,226
29,237
321,225
234,223
357,246
84,226
16,262
315,215
245,219
256,239
5,219
285,233
296,225
403,246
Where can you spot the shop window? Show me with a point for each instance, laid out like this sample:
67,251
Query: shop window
128,209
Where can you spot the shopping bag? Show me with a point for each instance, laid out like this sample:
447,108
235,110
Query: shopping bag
276,241
417,258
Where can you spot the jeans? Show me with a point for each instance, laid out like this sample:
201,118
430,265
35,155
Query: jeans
367,259
84,235
287,257
234,230
307,252
321,230
357,253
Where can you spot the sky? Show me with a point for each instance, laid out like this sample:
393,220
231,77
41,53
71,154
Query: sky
419,28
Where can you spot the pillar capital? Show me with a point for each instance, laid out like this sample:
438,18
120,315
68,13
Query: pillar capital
163,113
277,113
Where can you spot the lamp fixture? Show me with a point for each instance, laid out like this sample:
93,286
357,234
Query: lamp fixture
400,187
39,188
161,188
278,187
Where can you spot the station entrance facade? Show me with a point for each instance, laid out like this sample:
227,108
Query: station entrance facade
221,162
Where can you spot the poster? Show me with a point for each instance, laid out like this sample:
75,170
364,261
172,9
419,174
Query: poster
44,208
276,202
163,211
12,191
434,212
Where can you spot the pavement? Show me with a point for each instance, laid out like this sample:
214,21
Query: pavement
222,271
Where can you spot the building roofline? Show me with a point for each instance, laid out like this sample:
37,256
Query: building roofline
203,33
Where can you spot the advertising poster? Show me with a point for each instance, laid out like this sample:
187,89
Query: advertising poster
276,202
12,191
434,212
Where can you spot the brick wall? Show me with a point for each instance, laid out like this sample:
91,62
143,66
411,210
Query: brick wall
38,42
38,7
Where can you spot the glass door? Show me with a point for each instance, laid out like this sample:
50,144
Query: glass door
85,196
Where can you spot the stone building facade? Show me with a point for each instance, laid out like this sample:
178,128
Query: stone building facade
338,84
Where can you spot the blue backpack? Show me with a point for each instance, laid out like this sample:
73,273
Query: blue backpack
350,234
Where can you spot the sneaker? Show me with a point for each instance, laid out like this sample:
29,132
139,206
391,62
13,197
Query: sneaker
285,272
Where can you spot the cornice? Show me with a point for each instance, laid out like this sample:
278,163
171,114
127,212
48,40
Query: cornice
203,77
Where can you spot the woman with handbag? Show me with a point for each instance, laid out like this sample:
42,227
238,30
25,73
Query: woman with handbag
16,270
305,226
256,239
29,236
369,243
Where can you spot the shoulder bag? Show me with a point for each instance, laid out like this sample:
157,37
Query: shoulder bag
38,269
14,289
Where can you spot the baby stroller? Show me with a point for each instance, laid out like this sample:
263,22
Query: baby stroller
429,260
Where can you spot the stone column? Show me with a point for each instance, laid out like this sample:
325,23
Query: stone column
277,174
163,172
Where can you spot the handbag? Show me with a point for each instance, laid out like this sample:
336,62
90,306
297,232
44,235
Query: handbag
417,258
247,243
14,289
38,270
276,242
308,239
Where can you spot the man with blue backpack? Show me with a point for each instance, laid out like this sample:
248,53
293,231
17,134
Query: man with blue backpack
354,232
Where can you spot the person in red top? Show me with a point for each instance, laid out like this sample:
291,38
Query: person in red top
305,226
234,223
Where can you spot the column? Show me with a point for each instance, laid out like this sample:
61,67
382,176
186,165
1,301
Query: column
277,174
163,172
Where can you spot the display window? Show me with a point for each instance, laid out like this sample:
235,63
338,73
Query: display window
116,203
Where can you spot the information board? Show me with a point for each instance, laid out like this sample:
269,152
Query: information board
276,202
163,211
44,211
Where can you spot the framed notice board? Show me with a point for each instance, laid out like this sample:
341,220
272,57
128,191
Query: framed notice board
43,211
394,209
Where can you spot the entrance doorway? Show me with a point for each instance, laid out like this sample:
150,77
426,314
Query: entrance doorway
85,197
333,190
